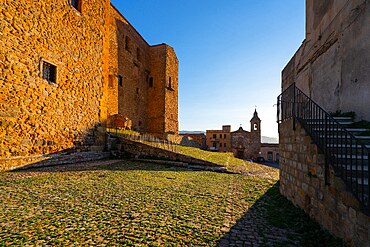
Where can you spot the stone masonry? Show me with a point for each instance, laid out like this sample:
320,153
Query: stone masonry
302,181
99,65
331,65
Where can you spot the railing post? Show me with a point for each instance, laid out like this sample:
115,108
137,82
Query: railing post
368,191
278,109
326,171
293,106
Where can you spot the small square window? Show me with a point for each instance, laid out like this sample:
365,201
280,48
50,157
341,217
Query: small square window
220,136
225,136
111,80
220,145
76,4
128,45
49,72
214,135
120,80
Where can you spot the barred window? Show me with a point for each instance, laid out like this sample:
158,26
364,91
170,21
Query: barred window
49,72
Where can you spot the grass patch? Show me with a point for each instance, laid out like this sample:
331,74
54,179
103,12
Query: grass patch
139,204
231,163
121,204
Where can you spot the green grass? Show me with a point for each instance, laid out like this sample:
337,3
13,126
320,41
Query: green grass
339,113
230,162
124,203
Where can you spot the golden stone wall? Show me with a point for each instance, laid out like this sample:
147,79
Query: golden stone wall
90,47
156,93
128,58
171,98
36,116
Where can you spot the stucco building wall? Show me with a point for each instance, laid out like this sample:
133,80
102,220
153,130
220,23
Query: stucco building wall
219,140
332,63
270,152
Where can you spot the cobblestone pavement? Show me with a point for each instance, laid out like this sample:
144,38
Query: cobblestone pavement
253,230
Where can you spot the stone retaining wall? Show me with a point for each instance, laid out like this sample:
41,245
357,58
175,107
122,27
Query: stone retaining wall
141,150
302,181
50,160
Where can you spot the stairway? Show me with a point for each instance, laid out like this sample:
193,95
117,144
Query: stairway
349,156
346,149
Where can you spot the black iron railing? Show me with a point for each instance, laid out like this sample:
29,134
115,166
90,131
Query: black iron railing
348,155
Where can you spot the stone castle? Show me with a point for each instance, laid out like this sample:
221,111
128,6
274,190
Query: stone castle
67,66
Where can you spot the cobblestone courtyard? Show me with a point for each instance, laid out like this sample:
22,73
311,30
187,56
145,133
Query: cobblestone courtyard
139,204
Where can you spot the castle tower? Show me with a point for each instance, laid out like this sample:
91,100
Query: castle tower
162,111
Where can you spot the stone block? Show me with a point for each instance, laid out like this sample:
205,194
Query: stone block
352,215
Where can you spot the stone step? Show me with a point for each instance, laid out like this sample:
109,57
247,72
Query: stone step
362,138
353,156
356,168
343,145
343,118
359,181
322,122
352,130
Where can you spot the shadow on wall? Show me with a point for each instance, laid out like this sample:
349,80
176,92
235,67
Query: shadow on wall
275,221
86,147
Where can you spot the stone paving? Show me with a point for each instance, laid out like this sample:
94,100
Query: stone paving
253,230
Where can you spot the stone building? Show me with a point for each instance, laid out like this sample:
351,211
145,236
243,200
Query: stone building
325,170
219,140
247,144
270,152
198,137
66,67
244,144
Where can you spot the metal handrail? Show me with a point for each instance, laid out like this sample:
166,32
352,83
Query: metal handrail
342,150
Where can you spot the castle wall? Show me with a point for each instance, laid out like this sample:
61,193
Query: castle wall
331,65
171,97
129,56
156,93
85,52
302,181
36,116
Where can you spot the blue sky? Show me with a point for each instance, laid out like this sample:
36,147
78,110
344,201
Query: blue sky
231,54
